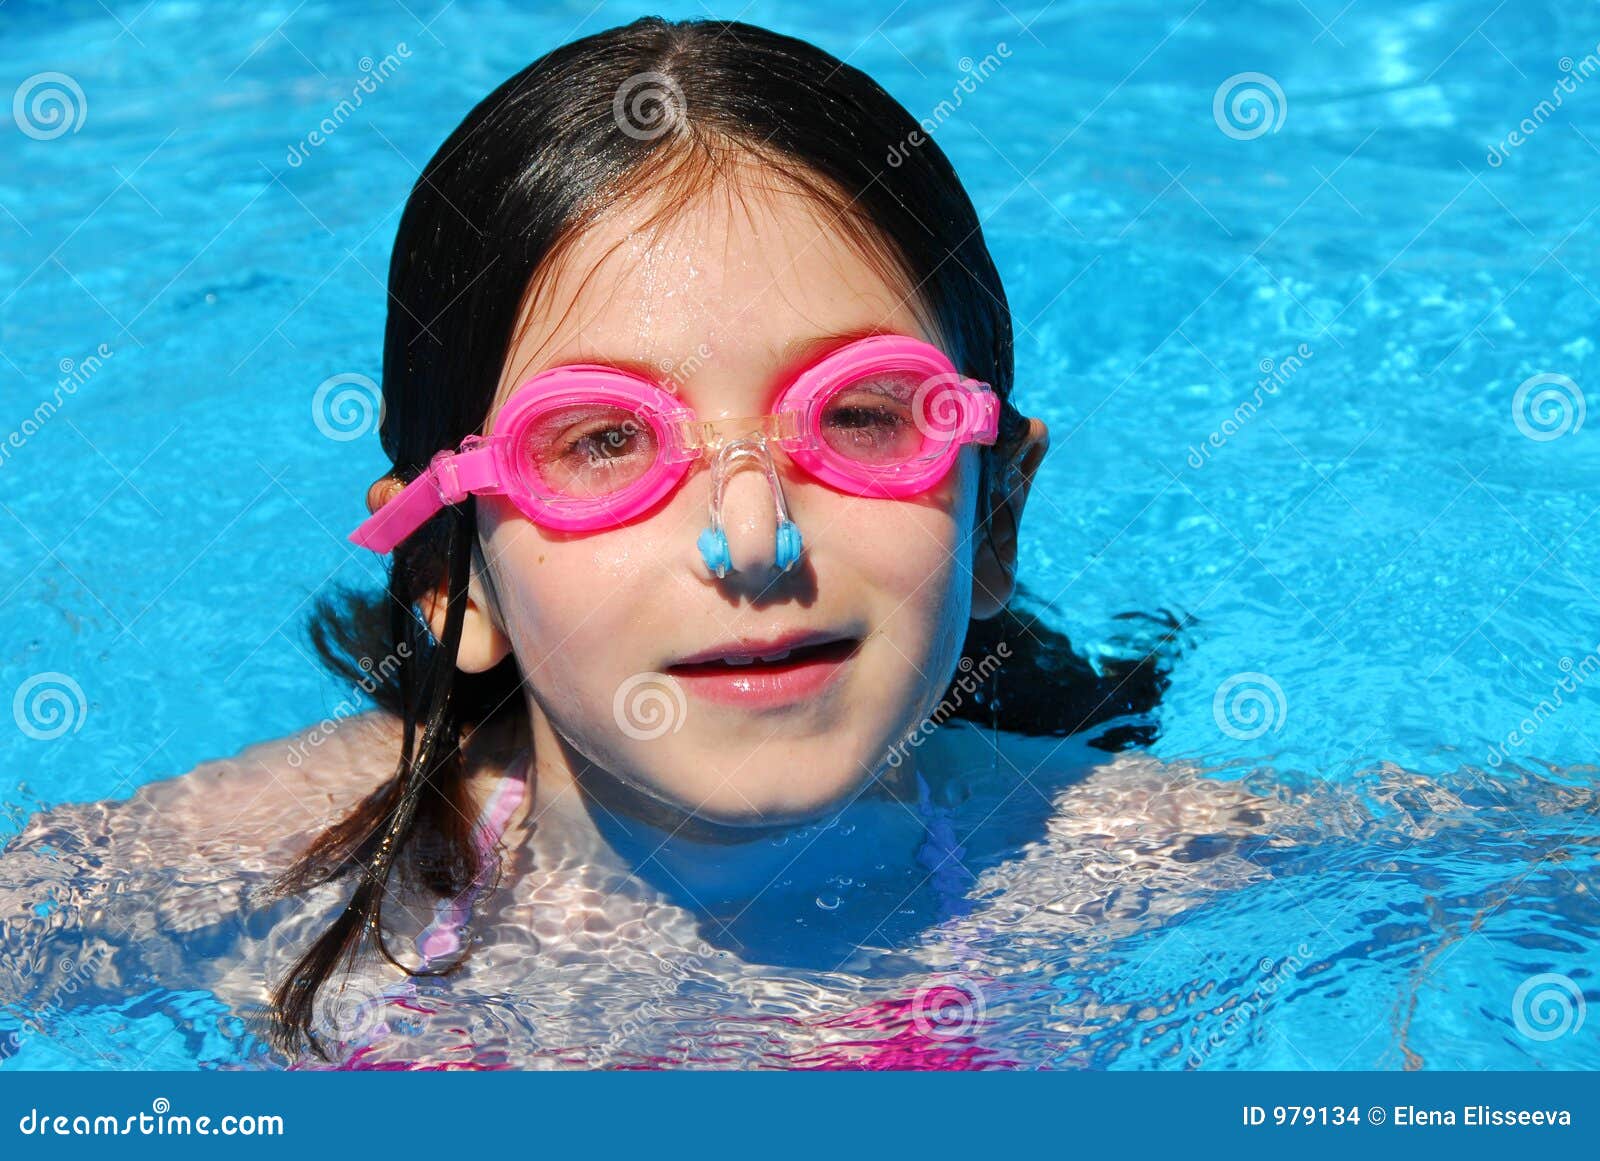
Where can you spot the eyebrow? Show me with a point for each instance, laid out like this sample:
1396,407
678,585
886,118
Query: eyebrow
795,355
799,352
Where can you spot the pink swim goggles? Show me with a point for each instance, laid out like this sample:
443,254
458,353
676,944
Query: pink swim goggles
586,447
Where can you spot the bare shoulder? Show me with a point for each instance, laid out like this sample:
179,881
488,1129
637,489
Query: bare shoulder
275,797
133,881
1135,793
256,810
1092,793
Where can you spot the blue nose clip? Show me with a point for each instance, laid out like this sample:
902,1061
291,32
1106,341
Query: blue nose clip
713,541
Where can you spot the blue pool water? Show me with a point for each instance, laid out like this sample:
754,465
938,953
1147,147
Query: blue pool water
1281,371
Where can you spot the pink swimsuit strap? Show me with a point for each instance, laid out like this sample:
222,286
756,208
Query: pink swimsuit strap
442,936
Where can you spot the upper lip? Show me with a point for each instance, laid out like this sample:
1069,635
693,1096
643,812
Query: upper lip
750,649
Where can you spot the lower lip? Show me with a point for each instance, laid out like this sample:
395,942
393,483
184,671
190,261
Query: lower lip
763,686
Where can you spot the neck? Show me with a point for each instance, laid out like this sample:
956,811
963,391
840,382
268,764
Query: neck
703,865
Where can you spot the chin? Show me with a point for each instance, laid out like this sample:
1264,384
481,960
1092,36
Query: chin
756,805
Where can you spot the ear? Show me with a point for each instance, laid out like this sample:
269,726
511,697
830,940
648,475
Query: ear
994,567
484,643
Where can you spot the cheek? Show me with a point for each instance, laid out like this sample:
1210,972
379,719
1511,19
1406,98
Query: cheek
910,552
916,558
568,605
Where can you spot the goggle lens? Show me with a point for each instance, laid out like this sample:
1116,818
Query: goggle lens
589,451
873,421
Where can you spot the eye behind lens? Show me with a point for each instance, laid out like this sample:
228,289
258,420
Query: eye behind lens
872,424
589,450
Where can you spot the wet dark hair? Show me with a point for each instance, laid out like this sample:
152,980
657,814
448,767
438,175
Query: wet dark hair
651,105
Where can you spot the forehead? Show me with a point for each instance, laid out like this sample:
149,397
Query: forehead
725,284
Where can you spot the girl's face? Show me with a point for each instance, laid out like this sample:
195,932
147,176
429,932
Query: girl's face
722,304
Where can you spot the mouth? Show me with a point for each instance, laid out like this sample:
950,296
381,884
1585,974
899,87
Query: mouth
758,674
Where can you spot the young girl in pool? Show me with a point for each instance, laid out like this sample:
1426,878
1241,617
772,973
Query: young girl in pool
706,488
737,477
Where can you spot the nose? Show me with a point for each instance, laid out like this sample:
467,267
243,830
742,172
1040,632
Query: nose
749,530
749,520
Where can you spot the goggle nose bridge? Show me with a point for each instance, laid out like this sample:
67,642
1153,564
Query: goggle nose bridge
709,435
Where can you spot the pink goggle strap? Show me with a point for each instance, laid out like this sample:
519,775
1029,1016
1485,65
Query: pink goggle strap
448,480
